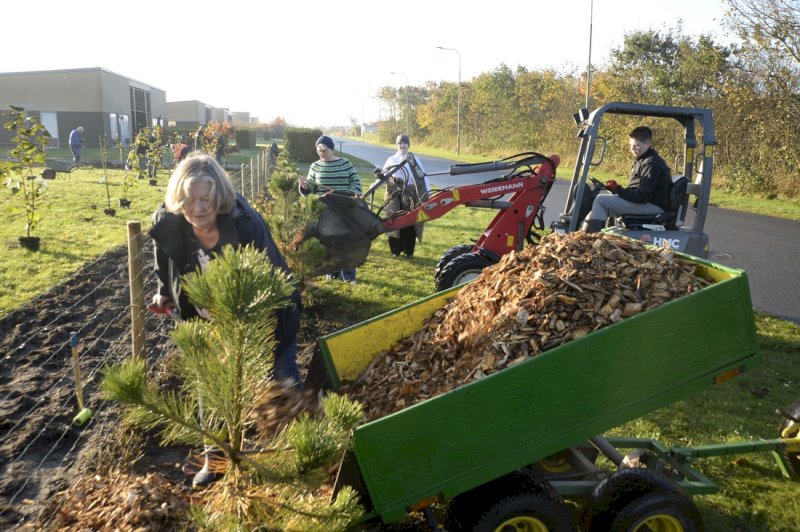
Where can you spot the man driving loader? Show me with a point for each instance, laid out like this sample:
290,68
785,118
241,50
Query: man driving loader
648,186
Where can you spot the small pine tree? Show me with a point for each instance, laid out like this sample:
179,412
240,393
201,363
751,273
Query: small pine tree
290,216
226,364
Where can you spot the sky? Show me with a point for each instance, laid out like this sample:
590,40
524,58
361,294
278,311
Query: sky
319,63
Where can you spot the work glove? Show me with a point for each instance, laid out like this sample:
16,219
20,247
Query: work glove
612,185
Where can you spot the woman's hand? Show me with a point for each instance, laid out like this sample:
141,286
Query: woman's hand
161,305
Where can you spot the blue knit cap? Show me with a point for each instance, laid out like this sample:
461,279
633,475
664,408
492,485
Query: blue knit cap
325,140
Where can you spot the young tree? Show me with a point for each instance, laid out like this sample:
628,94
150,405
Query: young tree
225,364
30,139
291,218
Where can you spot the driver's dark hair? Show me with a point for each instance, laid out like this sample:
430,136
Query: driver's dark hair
642,134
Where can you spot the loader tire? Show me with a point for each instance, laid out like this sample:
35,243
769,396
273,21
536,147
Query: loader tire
447,256
791,460
462,269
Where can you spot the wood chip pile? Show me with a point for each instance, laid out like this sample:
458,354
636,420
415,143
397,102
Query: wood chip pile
123,502
529,302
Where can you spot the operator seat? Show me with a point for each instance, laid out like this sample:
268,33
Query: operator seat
675,214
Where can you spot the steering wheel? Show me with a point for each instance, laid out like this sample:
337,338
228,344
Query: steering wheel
598,183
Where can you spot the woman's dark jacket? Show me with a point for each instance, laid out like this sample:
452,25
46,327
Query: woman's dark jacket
176,254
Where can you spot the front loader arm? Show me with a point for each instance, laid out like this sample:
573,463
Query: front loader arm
527,184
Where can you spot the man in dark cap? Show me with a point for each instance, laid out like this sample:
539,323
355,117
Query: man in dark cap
404,190
331,173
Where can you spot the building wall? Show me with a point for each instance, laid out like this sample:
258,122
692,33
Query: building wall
190,113
241,118
93,98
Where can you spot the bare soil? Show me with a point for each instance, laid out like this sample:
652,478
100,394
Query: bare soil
41,451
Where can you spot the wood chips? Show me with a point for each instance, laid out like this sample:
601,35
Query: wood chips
119,501
529,302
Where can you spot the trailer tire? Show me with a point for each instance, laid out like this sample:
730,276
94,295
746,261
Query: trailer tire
621,488
461,269
519,501
659,511
791,460
449,255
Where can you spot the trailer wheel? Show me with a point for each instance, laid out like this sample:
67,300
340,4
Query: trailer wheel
449,255
620,489
791,460
461,269
519,501
667,511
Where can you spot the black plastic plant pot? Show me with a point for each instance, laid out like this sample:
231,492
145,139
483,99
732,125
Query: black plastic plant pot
110,212
153,182
124,202
30,242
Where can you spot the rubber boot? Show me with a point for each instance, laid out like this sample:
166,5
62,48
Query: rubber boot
207,474
593,226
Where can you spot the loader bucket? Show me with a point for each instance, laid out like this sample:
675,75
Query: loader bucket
346,228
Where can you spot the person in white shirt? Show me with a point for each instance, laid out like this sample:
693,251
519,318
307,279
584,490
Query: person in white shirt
407,187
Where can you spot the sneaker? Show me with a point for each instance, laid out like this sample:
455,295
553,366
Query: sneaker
205,477
214,465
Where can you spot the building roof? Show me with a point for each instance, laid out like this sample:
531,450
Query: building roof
89,69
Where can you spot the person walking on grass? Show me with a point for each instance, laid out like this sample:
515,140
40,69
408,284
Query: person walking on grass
76,143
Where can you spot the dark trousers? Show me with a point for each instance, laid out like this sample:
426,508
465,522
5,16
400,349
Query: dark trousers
405,243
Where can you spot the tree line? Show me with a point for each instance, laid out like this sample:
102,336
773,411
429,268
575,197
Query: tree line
751,87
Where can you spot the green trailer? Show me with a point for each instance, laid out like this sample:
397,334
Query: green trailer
506,450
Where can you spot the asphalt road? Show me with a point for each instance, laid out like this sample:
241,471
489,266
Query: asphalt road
767,248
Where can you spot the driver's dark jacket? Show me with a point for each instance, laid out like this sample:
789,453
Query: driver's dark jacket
649,180
176,254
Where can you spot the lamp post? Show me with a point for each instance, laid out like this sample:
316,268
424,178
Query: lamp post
458,104
407,107
589,65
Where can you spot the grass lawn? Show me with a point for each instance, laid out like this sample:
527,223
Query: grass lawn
73,230
753,495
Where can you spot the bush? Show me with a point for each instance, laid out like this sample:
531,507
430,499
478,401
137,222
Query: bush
301,144
740,178
246,138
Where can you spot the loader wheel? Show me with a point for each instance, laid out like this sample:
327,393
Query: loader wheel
516,502
621,488
449,255
461,269
791,459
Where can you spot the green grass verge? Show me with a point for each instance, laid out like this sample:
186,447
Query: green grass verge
73,230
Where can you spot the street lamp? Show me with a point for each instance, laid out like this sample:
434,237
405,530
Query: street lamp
407,107
458,105
589,65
